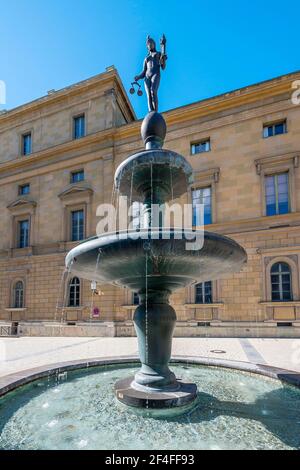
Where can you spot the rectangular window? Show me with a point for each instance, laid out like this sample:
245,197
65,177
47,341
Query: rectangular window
277,194
79,127
278,128
24,189
23,236
77,225
135,298
202,196
77,176
26,144
200,147
203,293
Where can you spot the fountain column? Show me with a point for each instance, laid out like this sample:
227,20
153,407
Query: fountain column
154,322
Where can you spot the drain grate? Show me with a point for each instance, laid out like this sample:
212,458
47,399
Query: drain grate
218,351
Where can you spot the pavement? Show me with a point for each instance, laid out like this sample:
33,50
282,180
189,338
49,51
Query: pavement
20,354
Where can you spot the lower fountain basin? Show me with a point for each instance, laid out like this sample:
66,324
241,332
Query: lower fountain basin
234,410
122,259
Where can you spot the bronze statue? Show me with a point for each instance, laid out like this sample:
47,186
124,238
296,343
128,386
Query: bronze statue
151,72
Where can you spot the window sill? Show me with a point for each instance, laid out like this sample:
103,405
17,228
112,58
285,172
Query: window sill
291,303
15,309
71,309
213,305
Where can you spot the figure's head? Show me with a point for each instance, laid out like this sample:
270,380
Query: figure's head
150,44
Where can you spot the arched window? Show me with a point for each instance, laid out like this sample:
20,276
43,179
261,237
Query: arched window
281,282
203,293
18,295
74,292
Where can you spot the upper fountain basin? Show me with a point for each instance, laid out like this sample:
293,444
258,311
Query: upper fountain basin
124,261
158,174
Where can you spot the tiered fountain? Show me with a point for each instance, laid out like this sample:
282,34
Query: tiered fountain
156,261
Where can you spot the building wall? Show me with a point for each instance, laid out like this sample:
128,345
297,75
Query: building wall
234,168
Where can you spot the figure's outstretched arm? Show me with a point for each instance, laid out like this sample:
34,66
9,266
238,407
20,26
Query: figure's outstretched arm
143,74
163,57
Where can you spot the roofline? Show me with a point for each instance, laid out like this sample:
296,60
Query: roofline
242,90
253,92
110,74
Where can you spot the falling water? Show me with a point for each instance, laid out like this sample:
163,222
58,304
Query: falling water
93,292
59,303
66,292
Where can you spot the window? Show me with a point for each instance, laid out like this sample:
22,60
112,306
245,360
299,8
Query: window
24,189
18,300
200,147
77,176
281,282
74,292
135,298
23,235
203,293
77,225
275,129
202,196
277,194
26,144
79,127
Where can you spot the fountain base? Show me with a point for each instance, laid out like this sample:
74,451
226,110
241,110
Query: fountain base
129,395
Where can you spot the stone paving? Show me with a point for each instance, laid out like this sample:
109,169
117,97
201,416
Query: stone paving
19,354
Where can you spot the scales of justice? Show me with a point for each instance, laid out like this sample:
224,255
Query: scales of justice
157,262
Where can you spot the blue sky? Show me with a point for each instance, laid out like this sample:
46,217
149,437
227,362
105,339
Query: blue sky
213,46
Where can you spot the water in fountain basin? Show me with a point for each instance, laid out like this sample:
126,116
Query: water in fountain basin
235,410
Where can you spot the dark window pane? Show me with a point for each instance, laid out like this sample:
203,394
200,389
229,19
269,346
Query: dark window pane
24,189
279,128
77,225
77,176
202,197
79,127
74,293
26,144
23,233
275,296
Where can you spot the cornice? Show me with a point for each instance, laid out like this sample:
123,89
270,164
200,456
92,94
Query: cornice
274,160
76,189
21,203
109,77
235,99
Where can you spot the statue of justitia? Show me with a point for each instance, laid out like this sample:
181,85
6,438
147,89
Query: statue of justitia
151,72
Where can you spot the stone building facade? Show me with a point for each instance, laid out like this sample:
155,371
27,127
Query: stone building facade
58,156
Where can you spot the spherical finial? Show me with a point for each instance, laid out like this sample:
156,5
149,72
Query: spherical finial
154,130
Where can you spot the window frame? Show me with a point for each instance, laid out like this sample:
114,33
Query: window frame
280,282
273,125
15,300
74,119
201,188
21,187
135,299
77,292
275,175
72,211
199,143
22,143
76,172
19,222
203,295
